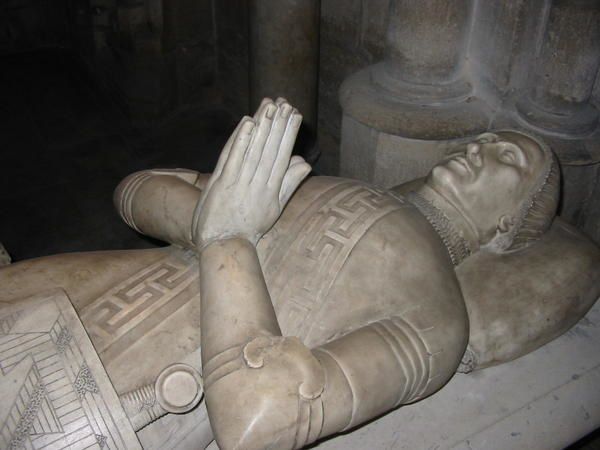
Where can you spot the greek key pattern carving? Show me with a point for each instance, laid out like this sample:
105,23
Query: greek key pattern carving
129,303
322,245
55,393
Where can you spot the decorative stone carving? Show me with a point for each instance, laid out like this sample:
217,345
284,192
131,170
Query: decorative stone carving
312,258
55,392
387,294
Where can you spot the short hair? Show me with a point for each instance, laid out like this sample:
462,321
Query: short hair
538,210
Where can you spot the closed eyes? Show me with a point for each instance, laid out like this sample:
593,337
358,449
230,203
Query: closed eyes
508,156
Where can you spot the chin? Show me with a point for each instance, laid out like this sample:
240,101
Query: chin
445,182
441,177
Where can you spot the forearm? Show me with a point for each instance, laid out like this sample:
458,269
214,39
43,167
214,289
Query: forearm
236,306
250,371
263,388
161,203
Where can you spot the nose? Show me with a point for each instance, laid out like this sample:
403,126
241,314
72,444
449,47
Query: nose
474,154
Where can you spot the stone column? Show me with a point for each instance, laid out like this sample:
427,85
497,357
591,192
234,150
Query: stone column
455,68
560,86
425,46
556,102
400,114
284,59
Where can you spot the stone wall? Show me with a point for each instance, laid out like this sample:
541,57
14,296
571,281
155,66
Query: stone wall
454,69
152,57
232,55
352,37
27,25
398,80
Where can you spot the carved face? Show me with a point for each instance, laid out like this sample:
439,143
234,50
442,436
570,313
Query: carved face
489,183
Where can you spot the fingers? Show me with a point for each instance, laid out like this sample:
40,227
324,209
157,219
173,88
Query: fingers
264,102
226,149
236,143
272,146
260,150
233,165
296,159
253,160
296,172
282,159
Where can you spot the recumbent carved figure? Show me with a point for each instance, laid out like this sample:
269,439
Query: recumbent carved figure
319,314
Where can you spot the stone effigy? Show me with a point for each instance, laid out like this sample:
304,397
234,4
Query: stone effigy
309,317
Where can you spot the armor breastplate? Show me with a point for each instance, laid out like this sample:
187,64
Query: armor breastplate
340,255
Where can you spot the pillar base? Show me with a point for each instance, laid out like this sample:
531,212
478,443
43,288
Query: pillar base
394,131
578,122
428,112
382,77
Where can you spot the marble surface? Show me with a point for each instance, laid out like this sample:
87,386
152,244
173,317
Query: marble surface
545,400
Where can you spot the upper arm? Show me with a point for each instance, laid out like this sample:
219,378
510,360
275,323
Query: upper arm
276,390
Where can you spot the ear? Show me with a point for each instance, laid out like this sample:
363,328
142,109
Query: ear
505,223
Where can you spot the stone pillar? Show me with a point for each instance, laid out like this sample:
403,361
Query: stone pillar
425,46
455,68
284,58
400,114
565,69
556,103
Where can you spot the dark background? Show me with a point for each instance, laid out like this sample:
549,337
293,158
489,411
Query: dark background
92,90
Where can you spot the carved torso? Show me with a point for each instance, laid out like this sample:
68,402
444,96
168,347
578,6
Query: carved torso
345,254
336,242
342,255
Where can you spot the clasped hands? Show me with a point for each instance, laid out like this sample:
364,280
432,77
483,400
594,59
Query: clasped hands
254,177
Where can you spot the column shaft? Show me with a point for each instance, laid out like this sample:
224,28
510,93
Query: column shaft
284,57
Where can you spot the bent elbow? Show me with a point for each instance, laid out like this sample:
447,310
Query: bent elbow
260,404
244,418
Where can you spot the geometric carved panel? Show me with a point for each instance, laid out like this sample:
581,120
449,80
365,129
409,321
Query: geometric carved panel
127,305
323,237
55,393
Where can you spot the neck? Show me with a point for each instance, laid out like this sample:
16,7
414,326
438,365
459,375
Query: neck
455,230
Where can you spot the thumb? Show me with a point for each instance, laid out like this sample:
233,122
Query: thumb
296,172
